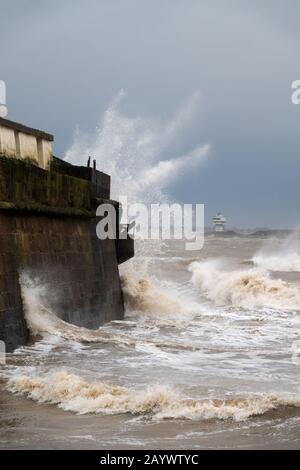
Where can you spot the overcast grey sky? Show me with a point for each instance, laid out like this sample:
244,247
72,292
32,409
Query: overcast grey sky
64,61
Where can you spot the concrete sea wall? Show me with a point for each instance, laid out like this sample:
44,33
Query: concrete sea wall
47,229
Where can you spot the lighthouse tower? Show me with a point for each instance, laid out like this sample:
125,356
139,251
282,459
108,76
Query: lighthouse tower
219,221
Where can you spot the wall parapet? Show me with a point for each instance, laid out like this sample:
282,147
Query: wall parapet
99,180
21,142
28,187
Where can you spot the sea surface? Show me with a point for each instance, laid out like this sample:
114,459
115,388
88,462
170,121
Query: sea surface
206,357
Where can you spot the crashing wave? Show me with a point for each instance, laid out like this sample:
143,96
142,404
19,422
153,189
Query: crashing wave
244,288
72,393
141,295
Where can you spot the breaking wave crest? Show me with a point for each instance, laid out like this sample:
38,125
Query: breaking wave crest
41,320
142,296
244,288
72,393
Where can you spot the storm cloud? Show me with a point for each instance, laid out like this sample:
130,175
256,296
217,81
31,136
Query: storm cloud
64,62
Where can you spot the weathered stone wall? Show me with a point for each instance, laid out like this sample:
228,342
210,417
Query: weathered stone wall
99,180
13,329
47,229
25,186
79,271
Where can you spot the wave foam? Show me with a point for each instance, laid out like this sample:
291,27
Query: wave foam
72,393
245,288
140,295
289,262
280,257
43,321
119,141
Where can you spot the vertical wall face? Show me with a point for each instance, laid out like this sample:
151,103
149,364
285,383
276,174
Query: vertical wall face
13,329
79,271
